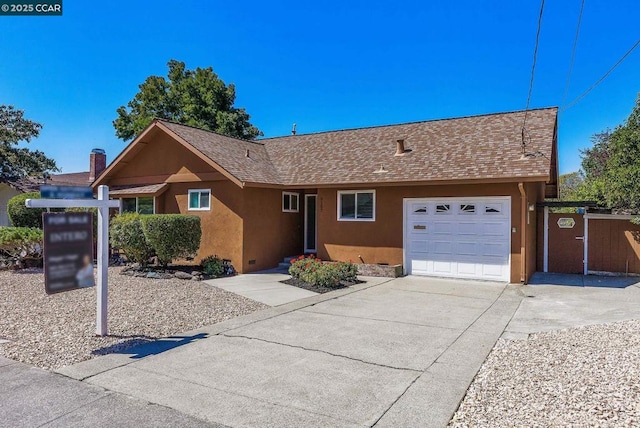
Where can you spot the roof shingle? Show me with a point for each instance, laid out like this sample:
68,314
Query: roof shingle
485,147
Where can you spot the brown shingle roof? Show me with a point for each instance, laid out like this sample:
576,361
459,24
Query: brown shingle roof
476,147
485,147
230,153
70,179
32,184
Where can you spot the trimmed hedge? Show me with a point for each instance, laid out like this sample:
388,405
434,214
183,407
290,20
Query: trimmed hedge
127,235
21,246
172,236
20,215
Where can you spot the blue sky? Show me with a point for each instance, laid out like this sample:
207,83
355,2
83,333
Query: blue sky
323,65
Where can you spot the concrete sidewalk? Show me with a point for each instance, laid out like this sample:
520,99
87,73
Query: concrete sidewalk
390,352
32,397
264,287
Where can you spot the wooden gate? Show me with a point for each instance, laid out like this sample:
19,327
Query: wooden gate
566,243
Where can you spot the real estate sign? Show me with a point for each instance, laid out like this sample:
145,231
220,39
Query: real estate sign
68,251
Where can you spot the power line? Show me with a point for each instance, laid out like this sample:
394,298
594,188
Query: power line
533,71
573,55
581,96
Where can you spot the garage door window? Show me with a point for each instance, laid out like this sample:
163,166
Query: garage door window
443,209
356,205
467,208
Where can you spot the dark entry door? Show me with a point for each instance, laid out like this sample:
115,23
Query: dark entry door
310,223
566,243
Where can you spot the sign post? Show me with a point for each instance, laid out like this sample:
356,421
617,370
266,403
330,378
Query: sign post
102,204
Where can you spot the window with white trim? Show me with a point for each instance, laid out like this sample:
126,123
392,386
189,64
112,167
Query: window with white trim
199,199
290,202
357,205
141,205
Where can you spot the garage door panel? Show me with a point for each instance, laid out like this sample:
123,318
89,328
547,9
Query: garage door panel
467,269
464,238
494,229
499,249
468,228
469,248
442,228
442,248
493,271
441,267
416,246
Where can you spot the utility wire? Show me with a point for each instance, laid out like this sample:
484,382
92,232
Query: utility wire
533,71
581,96
573,55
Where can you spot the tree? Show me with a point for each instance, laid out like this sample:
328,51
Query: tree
197,98
569,186
19,162
622,175
611,168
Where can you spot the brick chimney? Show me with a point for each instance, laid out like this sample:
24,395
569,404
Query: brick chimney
97,163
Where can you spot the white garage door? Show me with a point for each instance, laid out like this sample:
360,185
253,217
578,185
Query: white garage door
459,238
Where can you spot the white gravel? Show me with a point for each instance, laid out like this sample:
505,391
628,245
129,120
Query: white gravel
587,376
59,330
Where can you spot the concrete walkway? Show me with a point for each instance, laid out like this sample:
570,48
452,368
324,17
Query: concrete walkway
264,287
389,353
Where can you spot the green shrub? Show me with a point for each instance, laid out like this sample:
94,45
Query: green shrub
20,215
21,246
172,236
320,274
126,234
212,266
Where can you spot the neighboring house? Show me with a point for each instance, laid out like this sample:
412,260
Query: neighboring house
9,189
452,197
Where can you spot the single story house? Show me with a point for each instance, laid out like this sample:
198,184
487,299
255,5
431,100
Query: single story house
9,189
452,197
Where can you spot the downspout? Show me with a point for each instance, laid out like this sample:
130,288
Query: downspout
523,233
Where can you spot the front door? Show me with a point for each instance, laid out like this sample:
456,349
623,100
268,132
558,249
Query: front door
566,243
310,223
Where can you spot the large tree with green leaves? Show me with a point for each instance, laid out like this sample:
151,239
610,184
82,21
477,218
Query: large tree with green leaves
197,98
611,167
19,162
622,175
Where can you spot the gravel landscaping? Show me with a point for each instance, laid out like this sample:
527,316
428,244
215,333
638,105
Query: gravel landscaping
59,330
588,376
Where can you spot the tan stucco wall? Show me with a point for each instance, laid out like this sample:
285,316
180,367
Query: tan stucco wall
269,234
6,192
222,225
381,241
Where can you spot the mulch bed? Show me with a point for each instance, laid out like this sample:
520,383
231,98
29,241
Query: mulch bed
302,284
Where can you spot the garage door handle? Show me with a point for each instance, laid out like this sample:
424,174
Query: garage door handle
580,238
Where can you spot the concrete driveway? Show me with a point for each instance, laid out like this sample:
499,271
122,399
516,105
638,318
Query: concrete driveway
391,352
